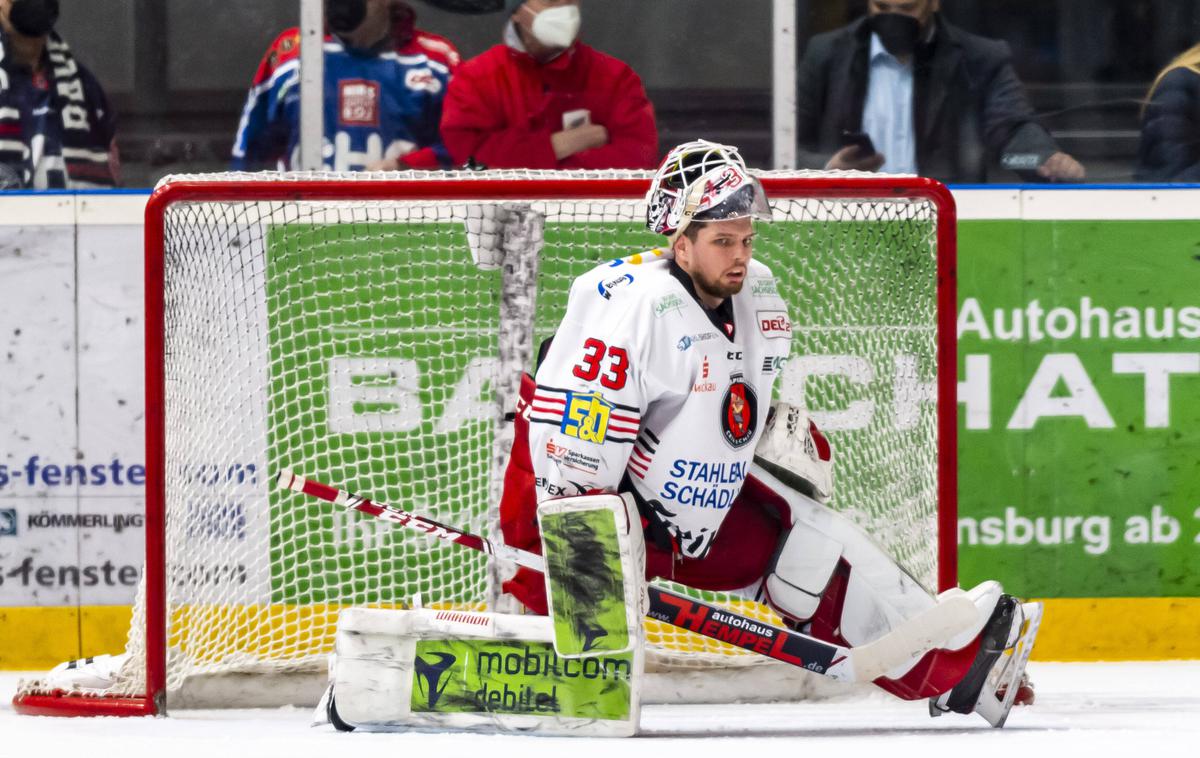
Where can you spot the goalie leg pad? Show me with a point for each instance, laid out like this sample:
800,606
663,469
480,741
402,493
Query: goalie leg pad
861,594
595,562
876,595
431,669
801,572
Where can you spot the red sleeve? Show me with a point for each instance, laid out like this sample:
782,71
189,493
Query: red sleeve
285,47
472,123
435,46
632,133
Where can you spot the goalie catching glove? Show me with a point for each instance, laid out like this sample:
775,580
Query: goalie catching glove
795,452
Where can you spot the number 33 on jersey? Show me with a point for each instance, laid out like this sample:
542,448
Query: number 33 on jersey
590,416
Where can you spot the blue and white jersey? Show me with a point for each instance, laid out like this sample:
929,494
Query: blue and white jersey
377,105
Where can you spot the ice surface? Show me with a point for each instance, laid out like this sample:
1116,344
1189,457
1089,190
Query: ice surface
1083,710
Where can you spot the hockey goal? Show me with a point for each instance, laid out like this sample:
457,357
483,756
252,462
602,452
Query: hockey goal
370,330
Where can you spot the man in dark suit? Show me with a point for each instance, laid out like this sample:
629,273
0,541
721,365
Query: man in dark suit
933,99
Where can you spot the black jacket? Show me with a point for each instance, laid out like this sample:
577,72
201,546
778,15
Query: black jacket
1170,145
969,108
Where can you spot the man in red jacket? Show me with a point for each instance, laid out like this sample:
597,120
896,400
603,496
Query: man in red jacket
545,100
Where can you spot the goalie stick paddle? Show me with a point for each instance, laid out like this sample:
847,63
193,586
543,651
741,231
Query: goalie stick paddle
864,663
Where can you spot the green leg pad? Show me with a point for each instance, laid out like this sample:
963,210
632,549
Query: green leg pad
519,677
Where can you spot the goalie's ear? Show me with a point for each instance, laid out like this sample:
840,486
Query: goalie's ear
795,451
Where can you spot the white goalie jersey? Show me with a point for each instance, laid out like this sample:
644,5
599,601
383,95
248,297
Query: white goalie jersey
644,389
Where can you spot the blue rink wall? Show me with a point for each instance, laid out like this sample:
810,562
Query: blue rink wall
1078,452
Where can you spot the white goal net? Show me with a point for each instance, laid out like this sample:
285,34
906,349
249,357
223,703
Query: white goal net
369,331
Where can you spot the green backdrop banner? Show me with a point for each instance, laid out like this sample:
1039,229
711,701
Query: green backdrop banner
1079,414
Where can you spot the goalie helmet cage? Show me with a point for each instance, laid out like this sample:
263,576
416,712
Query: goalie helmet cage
335,324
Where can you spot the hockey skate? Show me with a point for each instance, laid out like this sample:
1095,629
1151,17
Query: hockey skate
997,675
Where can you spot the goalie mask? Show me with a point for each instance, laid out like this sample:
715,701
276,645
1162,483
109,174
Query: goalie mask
702,181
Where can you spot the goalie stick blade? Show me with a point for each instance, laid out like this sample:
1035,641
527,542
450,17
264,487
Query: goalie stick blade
914,637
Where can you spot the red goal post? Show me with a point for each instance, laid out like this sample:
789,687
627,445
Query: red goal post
845,222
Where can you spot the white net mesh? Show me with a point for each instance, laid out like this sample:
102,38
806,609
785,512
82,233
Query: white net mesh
360,344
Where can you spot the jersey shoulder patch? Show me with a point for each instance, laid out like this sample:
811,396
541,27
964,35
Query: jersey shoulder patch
634,276
761,284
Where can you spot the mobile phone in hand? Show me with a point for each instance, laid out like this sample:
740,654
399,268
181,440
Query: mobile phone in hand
576,118
860,140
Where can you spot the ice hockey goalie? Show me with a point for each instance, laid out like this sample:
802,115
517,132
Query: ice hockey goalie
657,385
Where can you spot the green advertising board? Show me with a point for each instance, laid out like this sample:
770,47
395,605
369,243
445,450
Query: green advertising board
1079,424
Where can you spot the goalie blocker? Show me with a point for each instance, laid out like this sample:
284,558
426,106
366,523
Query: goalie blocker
594,555
819,571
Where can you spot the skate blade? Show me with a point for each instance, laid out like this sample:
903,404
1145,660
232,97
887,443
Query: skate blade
1010,670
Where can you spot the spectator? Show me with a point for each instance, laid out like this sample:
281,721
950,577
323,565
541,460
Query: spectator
1170,147
407,39
934,99
56,127
384,85
545,100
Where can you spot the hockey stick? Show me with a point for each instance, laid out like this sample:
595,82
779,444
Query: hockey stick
858,664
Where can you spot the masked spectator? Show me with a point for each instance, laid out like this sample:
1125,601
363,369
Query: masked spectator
905,91
543,99
57,129
384,85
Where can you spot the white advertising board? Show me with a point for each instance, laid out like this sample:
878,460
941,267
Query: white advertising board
71,442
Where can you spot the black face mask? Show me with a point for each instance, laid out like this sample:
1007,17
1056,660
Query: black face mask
898,33
344,16
33,18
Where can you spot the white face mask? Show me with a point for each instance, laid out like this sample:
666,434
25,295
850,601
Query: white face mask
557,27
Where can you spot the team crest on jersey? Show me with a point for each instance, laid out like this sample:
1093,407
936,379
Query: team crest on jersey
358,102
586,417
422,79
739,413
